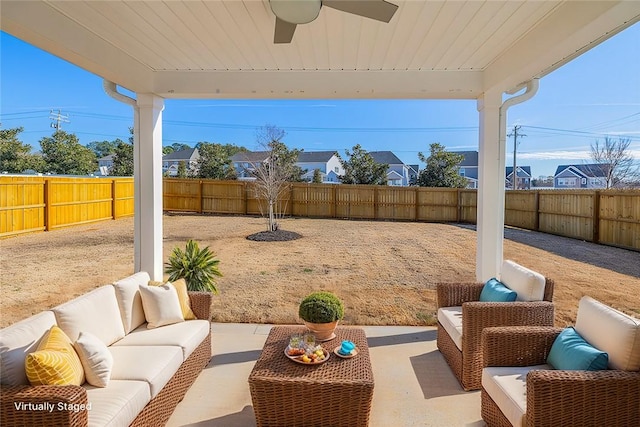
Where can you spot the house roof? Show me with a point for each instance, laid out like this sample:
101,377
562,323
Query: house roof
186,154
470,158
592,170
315,156
416,168
385,157
523,171
106,158
250,156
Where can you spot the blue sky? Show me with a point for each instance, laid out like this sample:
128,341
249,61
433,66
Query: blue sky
596,95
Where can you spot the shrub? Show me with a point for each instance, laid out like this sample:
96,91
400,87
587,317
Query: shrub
197,266
321,307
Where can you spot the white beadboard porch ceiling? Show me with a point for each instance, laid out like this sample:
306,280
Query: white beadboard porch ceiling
224,48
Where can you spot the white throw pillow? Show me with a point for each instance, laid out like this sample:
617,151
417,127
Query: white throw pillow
161,305
96,359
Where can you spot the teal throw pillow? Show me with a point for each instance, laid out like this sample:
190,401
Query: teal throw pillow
494,291
570,352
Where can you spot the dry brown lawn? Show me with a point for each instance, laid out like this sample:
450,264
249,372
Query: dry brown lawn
384,271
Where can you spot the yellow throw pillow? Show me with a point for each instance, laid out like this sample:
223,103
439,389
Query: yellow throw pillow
55,362
183,297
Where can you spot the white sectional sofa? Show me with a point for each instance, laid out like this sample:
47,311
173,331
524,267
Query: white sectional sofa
152,368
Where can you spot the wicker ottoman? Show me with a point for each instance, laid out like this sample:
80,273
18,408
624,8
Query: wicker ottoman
335,393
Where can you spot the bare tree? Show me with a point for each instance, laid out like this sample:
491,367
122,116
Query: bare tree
274,173
615,161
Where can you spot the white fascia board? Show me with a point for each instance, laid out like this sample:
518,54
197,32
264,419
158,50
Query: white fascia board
314,84
40,24
571,29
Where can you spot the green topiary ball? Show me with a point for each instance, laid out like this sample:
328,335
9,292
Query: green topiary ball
321,307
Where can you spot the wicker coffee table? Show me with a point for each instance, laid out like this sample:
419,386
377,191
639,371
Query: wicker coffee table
337,392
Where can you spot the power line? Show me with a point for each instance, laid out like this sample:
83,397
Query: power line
514,173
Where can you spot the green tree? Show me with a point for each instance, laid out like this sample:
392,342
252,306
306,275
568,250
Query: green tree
441,168
215,161
317,177
104,148
64,154
182,169
15,156
122,160
360,168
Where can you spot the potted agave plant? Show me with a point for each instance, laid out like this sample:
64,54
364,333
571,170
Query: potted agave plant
199,267
321,312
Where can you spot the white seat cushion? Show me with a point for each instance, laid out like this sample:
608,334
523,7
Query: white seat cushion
527,283
153,364
18,340
129,300
507,387
188,335
451,320
611,331
117,405
96,312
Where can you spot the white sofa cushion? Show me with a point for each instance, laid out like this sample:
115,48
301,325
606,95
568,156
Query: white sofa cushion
96,359
451,320
153,364
18,340
611,331
161,305
507,386
129,300
117,405
96,312
187,335
527,283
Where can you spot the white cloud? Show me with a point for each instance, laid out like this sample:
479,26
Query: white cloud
566,155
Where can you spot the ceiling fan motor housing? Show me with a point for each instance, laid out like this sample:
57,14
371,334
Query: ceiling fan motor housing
296,11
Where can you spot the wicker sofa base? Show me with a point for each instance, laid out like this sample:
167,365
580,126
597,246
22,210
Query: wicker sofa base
469,378
159,409
491,414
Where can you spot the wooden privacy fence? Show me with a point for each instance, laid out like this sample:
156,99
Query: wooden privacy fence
29,204
41,203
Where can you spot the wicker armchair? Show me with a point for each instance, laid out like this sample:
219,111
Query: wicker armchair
554,397
466,362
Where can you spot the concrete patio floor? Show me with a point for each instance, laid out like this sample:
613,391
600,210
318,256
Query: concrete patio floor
413,384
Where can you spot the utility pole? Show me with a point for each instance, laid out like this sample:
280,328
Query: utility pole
515,136
58,118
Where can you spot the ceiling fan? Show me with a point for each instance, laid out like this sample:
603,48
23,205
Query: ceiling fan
290,13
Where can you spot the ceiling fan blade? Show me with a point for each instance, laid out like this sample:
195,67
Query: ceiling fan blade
284,31
380,10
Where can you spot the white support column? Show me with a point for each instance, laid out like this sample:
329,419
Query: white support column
148,178
491,178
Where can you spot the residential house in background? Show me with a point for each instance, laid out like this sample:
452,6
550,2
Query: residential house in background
398,173
171,161
580,176
523,178
414,172
105,164
246,161
469,167
327,162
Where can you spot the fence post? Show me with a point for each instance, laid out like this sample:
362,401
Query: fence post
536,208
458,204
113,199
375,202
596,216
334,205
200,196
417,204
47,205
245,190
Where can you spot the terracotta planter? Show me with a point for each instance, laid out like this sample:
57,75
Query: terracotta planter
322,331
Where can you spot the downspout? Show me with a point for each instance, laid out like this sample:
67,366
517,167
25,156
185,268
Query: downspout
531,89
111,89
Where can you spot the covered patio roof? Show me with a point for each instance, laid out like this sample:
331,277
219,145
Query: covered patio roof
224,49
